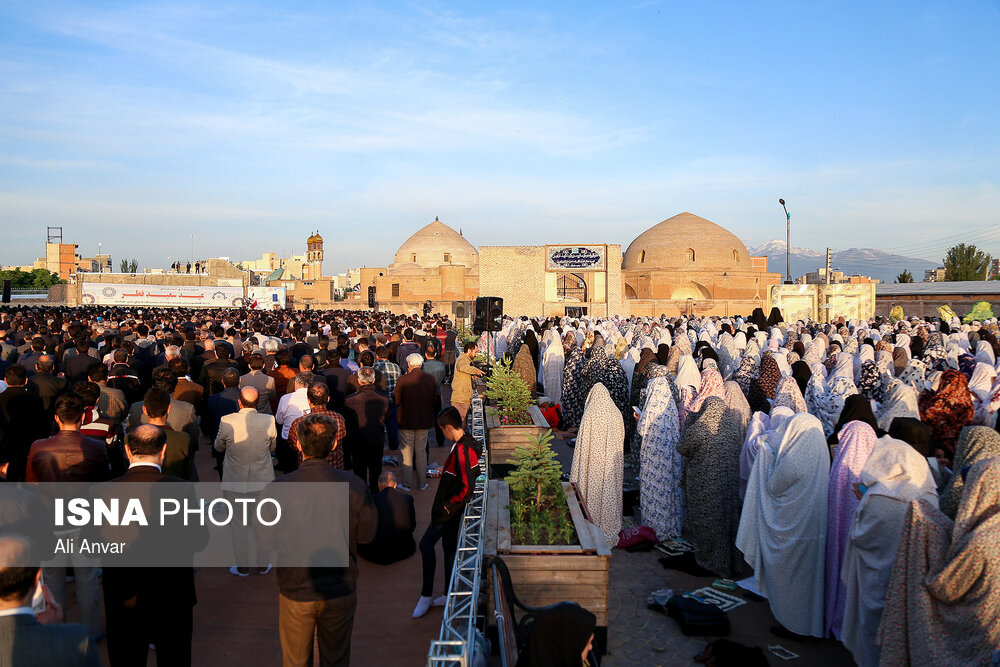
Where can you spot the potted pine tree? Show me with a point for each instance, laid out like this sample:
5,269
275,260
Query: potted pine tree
512,418
538,525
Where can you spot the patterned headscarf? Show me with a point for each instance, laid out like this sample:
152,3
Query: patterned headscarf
870,384
788,394
949,409
976,443
762,387
745,374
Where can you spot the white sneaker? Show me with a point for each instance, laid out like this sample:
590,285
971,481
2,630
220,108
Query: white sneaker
423,606
403,487
424,487
235,570
440,600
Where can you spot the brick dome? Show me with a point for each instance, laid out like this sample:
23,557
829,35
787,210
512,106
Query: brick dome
686,241
434,245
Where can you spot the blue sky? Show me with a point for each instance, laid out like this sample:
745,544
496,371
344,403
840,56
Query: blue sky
251,124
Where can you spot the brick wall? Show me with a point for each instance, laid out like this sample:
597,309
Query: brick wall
516,274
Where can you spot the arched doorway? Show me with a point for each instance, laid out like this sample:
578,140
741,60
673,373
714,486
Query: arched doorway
691,290
571,287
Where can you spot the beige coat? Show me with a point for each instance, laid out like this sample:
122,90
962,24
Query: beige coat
248,438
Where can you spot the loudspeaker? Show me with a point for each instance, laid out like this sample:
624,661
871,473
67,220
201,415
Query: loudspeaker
371,296
489,313
6,291
460,310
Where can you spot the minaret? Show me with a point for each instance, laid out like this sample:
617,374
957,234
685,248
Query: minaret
314,258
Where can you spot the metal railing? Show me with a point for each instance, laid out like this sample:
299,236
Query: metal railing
456,642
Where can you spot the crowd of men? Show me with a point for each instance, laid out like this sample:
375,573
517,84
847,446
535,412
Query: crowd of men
97,394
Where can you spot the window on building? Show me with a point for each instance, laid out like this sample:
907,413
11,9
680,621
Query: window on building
447,258
395,288
413,257
689,254
642,257
736,256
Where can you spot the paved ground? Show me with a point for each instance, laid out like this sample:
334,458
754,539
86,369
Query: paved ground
638,636
236,619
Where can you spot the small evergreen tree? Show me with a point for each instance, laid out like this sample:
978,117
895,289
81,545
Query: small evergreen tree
535,467
905,277
511,393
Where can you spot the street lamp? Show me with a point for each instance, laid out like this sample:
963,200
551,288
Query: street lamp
788,243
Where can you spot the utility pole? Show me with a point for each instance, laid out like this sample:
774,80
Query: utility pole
788,243
827,266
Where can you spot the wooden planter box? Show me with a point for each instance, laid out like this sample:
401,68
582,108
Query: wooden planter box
503,440
544,575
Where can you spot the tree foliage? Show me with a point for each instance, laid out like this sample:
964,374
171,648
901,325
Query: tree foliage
535,467
129,266
965,262
36,279
511,393
905,277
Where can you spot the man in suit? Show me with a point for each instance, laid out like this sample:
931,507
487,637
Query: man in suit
27,640
43,383
22,419
150,605
70,457
414,395
112,402
247,440
178,459
397,520
28,358
75,367
211,373
318,602
187,391
181,416
365,412
262,382
406,348
223,403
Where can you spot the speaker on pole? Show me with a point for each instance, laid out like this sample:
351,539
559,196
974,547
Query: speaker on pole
489,314
6,291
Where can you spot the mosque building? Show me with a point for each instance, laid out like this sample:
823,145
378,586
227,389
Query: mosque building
689,264
683,265
436,264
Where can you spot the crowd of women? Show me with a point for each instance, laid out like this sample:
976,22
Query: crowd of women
852,468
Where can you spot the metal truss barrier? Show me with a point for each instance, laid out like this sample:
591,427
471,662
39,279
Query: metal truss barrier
456,641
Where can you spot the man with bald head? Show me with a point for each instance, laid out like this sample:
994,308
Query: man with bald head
247,440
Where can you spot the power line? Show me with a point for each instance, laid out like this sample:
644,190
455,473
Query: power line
946,240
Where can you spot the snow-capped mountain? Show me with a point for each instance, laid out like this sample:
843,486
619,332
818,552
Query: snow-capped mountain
864,261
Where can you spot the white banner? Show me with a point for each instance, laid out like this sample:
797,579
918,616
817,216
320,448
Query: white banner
181,296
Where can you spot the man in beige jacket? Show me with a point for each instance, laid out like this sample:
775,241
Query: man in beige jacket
248,439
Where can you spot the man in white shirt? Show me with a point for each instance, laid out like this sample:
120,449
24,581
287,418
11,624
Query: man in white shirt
294,404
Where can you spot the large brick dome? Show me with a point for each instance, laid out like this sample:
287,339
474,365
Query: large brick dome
434,245
686,241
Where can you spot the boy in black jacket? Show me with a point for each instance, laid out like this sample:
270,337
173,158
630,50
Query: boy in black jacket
458,480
